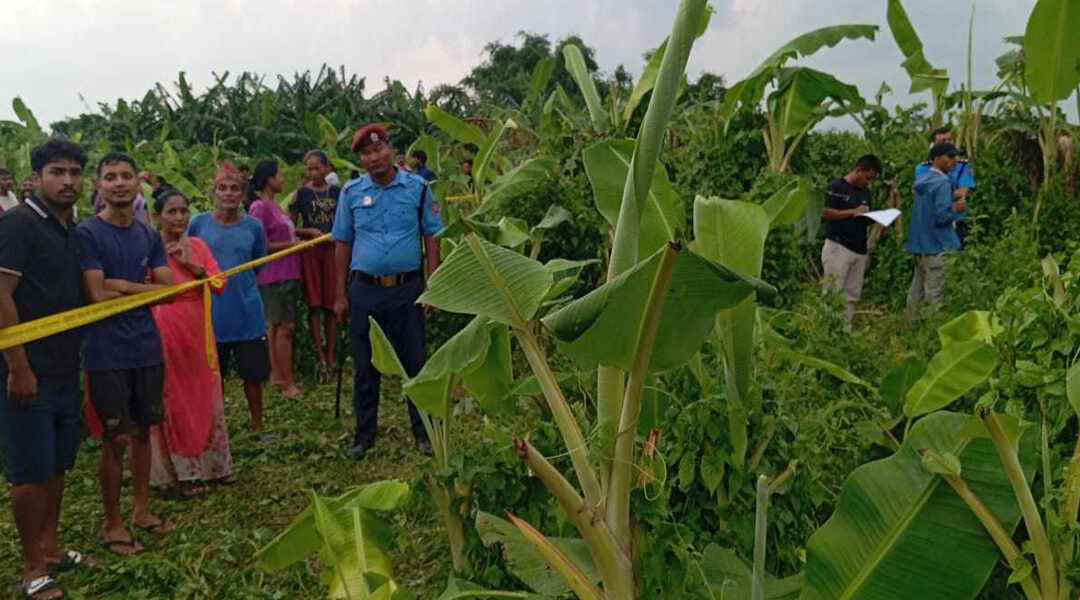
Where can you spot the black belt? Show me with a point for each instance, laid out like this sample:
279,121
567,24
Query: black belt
384,280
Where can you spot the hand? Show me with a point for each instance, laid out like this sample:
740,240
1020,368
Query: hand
341,308
181,251
308,233
861,209
960,205
22,385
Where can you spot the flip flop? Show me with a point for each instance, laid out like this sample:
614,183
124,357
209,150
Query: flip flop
34,588
159,527
112,545
69,561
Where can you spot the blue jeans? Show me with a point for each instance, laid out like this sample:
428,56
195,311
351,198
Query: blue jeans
396,311
40,440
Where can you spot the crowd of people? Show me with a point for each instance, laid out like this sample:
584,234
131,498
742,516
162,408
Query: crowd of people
153,376
941,189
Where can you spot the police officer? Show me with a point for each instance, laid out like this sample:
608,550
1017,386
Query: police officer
383,220
962,177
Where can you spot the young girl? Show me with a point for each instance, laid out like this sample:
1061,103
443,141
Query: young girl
192,446
314,205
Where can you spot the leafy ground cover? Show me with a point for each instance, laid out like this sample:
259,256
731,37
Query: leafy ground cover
210,556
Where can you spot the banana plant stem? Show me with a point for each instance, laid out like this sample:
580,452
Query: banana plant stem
998,533
616,569
564,417
1044,555
618,496
761,514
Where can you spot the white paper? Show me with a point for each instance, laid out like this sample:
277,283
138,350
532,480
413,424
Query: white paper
885,217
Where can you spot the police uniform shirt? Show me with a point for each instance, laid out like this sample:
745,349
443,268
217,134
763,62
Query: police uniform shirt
963,175
383,223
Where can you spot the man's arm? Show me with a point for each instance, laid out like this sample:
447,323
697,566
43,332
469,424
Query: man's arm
99,289
342,258
946,211
837,214
22,384
161,277
431,250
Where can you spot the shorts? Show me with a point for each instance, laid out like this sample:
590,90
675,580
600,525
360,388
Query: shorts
320,276
125,398
252,359
40,440
279,301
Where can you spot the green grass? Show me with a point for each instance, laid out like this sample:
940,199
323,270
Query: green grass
211,554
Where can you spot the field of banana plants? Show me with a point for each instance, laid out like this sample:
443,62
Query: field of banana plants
634,386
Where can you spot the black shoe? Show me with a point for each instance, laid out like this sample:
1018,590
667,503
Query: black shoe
424,447
358,451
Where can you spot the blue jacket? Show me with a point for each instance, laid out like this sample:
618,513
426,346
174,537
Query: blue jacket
931,229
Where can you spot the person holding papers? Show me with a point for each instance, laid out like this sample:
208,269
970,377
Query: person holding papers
843,257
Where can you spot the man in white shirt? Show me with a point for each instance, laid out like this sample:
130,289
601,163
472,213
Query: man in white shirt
8,199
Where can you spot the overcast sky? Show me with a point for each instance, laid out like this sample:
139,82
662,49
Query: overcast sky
54,50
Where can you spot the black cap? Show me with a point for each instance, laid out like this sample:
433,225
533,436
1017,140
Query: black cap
942,149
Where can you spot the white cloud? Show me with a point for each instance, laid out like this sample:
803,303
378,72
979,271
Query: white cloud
106,49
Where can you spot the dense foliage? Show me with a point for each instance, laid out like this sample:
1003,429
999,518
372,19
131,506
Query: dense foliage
552,143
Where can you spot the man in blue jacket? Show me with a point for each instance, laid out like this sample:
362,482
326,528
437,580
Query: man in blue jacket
931,232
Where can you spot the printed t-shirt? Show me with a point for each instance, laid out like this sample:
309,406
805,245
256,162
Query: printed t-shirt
316,208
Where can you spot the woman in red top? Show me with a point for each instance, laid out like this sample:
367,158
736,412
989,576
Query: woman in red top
192,446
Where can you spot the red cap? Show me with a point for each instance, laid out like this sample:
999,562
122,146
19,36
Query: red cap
372,132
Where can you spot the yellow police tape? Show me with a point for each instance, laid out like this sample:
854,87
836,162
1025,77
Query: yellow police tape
462,197
79,317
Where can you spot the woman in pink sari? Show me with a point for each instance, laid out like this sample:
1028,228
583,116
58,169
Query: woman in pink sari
192,446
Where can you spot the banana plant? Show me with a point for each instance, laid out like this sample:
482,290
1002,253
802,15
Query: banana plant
801,97
924,77
349,537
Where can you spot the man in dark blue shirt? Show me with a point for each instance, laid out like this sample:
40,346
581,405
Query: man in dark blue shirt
382,220
122,354
419,166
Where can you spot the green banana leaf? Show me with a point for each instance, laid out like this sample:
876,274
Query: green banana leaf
565,273
733,233
527,563
301,538
923,75
480,278
900,532
25,115
664,215
538,83
977,325
1072,387
729,578
787,205
601,328
895,385
350,557
518,180
575,65
647,81
459,589
800,92
461,131
954,371
748,92
555,216
487,151
1052,52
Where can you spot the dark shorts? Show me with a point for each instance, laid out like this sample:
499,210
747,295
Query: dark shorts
252,359
40,440
320,276
279,301
127,398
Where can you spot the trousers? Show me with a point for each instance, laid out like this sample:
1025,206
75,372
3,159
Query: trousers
844,272
396,312
927,284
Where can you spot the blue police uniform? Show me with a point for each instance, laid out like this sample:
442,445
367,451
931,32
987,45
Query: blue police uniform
383,224
961,176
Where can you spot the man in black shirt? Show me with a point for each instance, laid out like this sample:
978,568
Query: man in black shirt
39,381
844,255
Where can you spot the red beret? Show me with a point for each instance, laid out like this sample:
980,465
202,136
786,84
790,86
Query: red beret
369,133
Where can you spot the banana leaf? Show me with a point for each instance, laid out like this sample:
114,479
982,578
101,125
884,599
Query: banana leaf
900,532
461,131
954,371
575,65
1052,52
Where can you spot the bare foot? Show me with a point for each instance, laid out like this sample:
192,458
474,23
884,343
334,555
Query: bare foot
154,525
293,393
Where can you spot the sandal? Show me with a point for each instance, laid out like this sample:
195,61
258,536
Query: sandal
69,561
112,545
33,589
159,527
